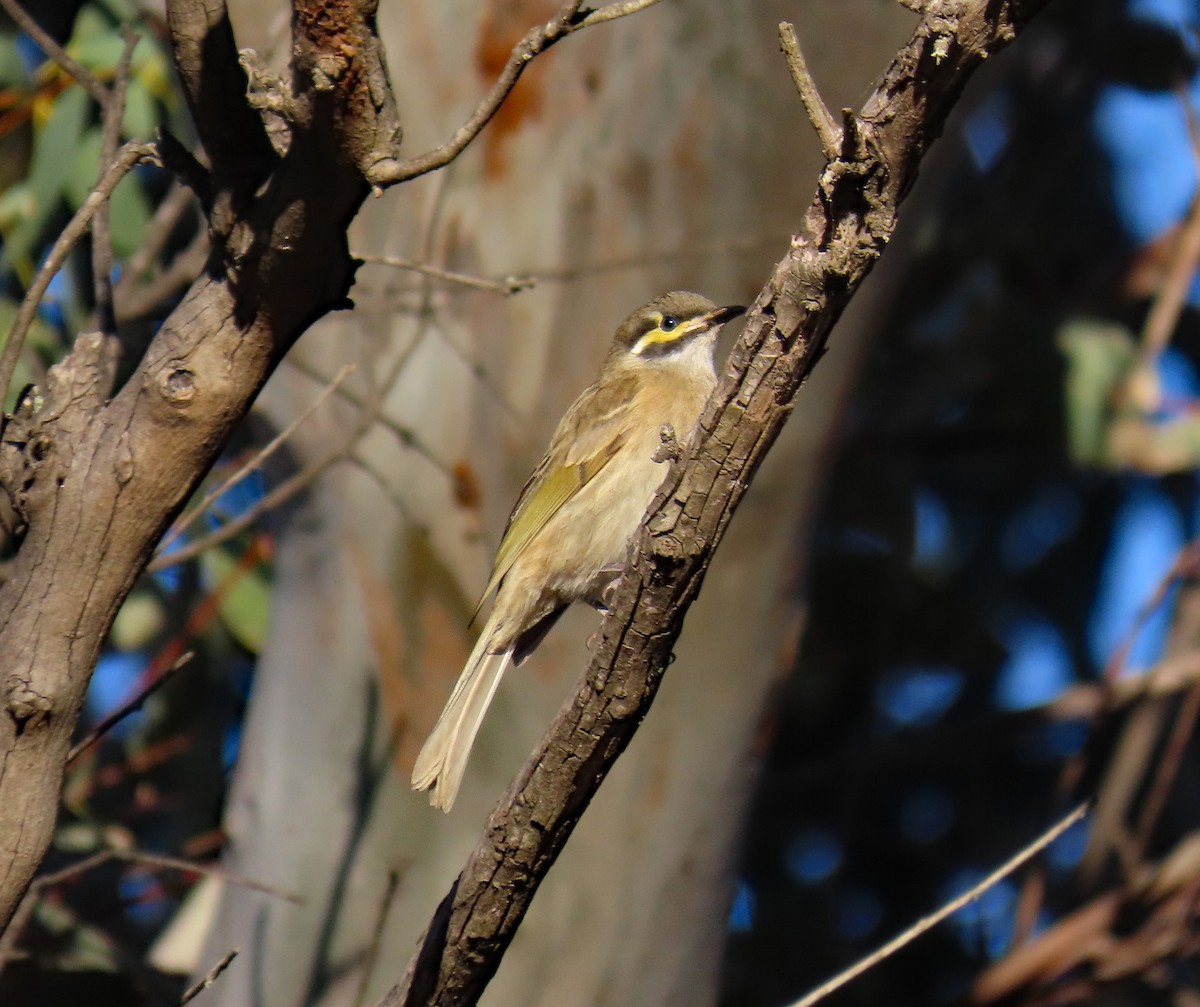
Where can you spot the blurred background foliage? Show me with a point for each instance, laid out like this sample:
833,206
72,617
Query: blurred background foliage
1006,526
1005,539
153,784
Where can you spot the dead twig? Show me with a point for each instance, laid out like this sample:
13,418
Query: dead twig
210,977
819,115
113,110
24,910
951,907
508,285
136,703
405,435
134,856
372,955
569,19
150,298
255,463
83,76
1185,258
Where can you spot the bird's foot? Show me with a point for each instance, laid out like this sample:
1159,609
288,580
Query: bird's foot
603,599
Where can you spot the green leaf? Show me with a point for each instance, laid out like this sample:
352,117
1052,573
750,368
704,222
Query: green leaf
141,114
1098,356
128,209
82,176
244,597
95,39
12,69
54,148
128,216
139,621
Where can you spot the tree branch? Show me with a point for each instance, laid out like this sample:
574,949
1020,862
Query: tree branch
215,84
98,477
45,41
847,226
127,157
820,117
927,923
113,111
388,171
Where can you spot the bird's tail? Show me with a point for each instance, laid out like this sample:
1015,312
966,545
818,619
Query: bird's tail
443,758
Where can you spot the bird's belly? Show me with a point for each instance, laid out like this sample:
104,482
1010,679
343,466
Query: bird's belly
584,545
586,542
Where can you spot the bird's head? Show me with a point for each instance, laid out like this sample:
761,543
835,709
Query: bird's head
671,324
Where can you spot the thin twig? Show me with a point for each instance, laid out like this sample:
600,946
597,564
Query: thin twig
255,463
136,703
210,977
405,435
127,157
110,137
951,907
151,298
170,863
386,488
508,285
372,955
264,505
170,211
818,114
56,52
16,926
1168,769
389,171
1185,257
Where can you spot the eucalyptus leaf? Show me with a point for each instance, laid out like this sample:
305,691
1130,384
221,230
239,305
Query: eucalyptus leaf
1098,356
54,148
244,597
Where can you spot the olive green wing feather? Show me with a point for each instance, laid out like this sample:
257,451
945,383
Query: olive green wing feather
587,438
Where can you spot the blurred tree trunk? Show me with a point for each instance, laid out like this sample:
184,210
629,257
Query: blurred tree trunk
676,131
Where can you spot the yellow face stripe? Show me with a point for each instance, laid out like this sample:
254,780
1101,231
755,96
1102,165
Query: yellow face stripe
657,336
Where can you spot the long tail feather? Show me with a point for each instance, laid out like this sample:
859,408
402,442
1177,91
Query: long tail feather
443,758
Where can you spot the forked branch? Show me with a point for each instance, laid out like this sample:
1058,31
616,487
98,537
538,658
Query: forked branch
569,19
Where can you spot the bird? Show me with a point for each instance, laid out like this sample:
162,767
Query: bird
569,532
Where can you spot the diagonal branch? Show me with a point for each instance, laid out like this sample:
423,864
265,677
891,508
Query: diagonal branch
927,923
846,228
46,42
127,157
569,19
818,114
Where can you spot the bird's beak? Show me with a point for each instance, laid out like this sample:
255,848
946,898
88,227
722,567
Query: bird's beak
722,315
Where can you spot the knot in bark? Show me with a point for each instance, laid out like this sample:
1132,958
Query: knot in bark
177,385
24,704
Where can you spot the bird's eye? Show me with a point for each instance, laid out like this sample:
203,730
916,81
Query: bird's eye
668,323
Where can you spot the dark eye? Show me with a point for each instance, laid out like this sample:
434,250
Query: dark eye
668,323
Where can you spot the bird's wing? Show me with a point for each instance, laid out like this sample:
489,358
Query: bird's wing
588,436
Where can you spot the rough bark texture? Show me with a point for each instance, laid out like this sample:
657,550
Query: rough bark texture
96,480
846,228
